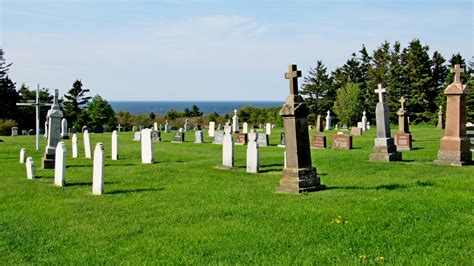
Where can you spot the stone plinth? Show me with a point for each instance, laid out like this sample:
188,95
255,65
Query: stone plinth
299,174
356,131
455,146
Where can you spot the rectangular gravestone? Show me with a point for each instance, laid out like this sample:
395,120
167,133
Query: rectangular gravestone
319,142
198,136
262,140
178,137
403,141
470,135
282,140
137,136
241,138
156,136
356,131
342,142
218,137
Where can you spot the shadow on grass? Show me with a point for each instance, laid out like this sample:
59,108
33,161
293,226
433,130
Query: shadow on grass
124,164
416,148
79,165
136,190
407,161
418,183
86,184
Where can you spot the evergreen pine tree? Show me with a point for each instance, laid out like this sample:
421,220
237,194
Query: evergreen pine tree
318,90
8,95
75,101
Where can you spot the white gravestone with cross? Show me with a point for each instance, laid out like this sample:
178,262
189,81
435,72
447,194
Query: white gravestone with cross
54,133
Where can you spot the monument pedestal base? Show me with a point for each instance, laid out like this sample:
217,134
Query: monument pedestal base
455,158
65,137
385,154
299,180
47,162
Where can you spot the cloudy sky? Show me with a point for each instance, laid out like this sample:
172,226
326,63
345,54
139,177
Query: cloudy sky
209,49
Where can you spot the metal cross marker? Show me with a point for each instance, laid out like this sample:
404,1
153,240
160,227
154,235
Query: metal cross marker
380,91
402,101
37,104
457,72
293,74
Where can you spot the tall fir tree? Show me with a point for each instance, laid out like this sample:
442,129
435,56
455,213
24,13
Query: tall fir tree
8,95
76,99
377,75
365,67
439,72
395,82
418,80
318,90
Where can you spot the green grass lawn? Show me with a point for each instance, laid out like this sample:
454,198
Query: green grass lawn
182,209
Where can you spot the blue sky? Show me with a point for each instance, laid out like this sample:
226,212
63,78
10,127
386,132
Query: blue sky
210,50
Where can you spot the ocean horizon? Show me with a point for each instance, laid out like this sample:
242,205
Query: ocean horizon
206,107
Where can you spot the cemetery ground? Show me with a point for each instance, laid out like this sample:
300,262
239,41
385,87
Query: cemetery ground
182,209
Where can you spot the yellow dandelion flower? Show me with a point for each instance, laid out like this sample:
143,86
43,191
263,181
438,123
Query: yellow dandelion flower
338,221
346,222
362,257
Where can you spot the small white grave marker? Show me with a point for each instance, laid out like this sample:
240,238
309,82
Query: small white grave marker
253,157
74,145
87,145
60,165
98,171
114,145
22,155
228,149
147,146
30,168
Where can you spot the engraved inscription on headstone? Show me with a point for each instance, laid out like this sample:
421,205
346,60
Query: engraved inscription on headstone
342,141
319,142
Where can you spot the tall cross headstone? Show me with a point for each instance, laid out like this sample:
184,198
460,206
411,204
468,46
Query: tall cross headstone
37,104
455,145
403,138
54,133
384,149
299,174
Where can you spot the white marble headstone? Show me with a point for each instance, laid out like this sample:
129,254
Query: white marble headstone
87,145
228,149
64,128
22,155
74,145
235,122
328,121
268,128
115,145
245,127
60,165
98,170
137,136
364,121
30,168
147,146
212,128
198,137
155,126
253,157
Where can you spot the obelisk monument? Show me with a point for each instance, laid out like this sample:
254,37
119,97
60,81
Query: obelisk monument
455,146
299,174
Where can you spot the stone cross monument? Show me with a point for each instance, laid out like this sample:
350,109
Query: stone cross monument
384,149
54,133
440,118
299,174
403,138
454,146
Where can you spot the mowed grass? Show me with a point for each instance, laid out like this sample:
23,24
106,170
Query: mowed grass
182,209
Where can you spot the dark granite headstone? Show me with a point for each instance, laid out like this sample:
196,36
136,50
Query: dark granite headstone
319,142
178,137
241,138
218,137
341,142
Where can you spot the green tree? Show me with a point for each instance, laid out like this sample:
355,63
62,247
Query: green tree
439,72
8,95
100,114
394,82
318,90
187,112
76,99
172,114
28,113
348,106
418,79
124,119
195,111
213,116
152,116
